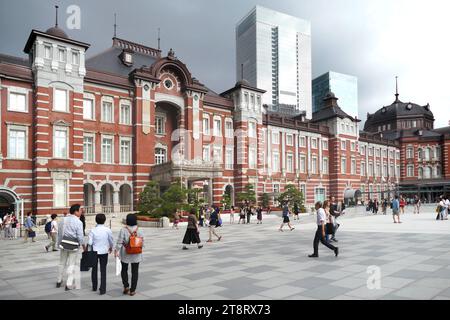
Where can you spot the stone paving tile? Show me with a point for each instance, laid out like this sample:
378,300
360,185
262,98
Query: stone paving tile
418,292
349,282
281,292
325,292
438,283
365,293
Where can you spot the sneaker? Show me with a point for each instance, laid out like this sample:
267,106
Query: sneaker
209,241
58,284
67,288
126,290
313,256
336,252
292,229
200,247
219,238
185,248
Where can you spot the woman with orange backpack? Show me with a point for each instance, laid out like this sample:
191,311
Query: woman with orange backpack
129,249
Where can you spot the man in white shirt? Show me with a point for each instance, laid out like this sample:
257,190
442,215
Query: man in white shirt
442,208
320,233
101,240
447,207
53,233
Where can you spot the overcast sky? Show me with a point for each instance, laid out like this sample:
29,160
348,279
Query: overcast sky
374,40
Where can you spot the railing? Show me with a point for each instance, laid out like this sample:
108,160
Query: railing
89,210
107,209
125,208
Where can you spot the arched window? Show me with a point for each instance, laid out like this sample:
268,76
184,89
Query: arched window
160,156
420,173
427,173
437,172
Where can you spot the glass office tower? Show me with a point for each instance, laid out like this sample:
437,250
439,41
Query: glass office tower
344,86
273,52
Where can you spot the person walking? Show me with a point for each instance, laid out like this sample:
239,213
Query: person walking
14,223
53,233
402,205
83,221
296,212
249,214
29,232
213,223
335,211
70,238
123,241
286,218
100,240
7,226
375,206
259,215
447,206
176,220
192,234
320,233
207,216
417,204
396,209
384,205
232,215
441,208
242,216
201,216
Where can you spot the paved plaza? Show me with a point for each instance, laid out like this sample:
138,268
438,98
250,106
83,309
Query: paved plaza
257,262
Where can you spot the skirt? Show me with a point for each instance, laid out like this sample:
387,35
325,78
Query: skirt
286,219
191,236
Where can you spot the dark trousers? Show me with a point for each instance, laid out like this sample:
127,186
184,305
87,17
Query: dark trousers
103,261
134,275
319,238
248,217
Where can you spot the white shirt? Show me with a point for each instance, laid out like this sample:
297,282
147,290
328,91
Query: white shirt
54,226
101,239
321,217
447,203
442,204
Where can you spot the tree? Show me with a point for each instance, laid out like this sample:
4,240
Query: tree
149,199
226,200
248,195
265,200
173,199
292,197
194,200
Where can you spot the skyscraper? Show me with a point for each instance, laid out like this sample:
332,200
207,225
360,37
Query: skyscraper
273,52
345,87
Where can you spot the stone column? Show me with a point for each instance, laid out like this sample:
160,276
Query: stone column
97,204
116,202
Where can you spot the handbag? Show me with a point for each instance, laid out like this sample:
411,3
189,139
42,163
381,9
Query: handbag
329,228
118,266
69,243
88,260
31,234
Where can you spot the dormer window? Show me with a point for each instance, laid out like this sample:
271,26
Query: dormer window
409,106
128,58
48,52
62,55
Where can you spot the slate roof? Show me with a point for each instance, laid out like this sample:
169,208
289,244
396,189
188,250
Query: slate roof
331,110
14,60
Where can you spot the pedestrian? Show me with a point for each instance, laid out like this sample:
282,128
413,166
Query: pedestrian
441,208
335,211
402,205
232,215
396,209
375,206
52,232
242,216
384,205
259,215
29,232
1,224
201,217
83,221
417,204
286,218
70,238
126,257
296,212
207,216
192,234
320,233
213,224
14,223
249,214
101,241
176,220
447,206
7,226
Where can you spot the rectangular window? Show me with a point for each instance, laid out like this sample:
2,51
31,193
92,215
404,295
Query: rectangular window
159,125
343,165
17,102
363,169
62,55
60,143
107,150
302,141
302,164
410,171
363,150
206,154
325,166
107,111
229,129
206,126
343,145
303,190
385,170
314,143
125,114
353,166
371,170
275,137
60,193
319,194
370,152
252,158
276,162
125,151
17,143
48,52
246,100
217,154
378,152
217,127
276,188
160,156
353,146
314,165
378,170
88,109
325,145
60,100
75,58
252,130
409,153
88,149
289,140
229,159
290,162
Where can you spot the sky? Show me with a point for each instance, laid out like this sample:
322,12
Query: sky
374,40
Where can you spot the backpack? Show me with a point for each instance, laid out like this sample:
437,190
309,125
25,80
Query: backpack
135,243
48,227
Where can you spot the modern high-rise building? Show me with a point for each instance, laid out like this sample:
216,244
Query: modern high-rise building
273,52
342,85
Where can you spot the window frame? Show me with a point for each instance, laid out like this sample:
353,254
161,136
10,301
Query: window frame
65,193
14,127
125,103
110,100
66,93
17,91
109,137
91,136
66,130
130,153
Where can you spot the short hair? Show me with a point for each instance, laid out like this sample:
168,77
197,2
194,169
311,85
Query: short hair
74,208
326,204
193,211
318,205
54,216
396,196
28,214
131,220
100,218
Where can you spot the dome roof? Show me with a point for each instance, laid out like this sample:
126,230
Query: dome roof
57,32
243,82
398,109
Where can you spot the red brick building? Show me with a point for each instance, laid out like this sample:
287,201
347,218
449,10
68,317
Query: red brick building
95,131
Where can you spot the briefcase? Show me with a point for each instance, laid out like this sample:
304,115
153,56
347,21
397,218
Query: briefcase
88,260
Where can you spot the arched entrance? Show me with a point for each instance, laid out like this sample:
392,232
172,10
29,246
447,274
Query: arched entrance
125,198
229,191
106,198
352,197
8,200
89,197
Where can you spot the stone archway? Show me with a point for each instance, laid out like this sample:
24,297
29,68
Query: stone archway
8,201
125,198
107,198
89,197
